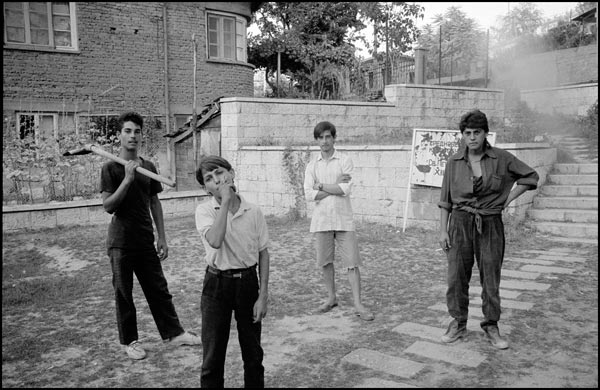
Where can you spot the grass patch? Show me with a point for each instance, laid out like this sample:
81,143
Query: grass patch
43,292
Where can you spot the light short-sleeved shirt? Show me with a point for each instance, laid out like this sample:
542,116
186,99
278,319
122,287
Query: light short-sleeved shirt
333,212
245,236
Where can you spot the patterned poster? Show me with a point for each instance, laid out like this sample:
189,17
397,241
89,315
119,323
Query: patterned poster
431,149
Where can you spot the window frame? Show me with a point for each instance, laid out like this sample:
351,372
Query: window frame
239,38
51,46
36,124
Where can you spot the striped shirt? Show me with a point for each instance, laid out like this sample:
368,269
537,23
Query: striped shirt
333,212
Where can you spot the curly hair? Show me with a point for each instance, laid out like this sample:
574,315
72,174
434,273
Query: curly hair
131,116
474,119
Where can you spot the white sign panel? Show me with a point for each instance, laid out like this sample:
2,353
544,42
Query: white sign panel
431,149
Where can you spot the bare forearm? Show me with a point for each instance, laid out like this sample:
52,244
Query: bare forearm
216,234
515,193
112,201
444,214
157,214
263,271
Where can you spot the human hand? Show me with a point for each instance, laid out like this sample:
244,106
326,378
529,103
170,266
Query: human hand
260,309
226,189
445,241
162,249
130,170
345,178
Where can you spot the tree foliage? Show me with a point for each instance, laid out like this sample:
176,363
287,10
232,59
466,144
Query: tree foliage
462,43
317,40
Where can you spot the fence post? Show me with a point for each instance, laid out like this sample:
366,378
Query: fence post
420,65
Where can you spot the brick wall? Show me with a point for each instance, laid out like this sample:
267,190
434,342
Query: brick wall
121,45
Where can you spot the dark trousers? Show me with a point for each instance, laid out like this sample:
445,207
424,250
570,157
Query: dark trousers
221,296
148,270
487,248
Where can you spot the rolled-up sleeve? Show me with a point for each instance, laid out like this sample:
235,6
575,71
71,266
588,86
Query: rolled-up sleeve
347,169
309,182
523,173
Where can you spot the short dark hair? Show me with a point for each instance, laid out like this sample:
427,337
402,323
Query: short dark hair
131,116
474,119
210,163
324,126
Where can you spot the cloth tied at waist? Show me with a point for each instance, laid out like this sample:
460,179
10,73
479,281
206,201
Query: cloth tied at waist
478,213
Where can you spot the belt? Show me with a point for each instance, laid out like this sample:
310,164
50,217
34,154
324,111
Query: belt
478,213
230,273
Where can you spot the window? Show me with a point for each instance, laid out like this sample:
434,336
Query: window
40,25
39,126
226,35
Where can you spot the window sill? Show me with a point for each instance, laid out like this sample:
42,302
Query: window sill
229,62
16,46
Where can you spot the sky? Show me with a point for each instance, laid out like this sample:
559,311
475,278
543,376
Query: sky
484,13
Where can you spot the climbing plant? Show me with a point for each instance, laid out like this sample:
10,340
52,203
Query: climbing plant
294,164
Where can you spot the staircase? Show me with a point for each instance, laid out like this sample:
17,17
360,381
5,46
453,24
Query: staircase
567,204
581,149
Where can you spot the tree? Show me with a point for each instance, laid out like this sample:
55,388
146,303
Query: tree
316,41
462,43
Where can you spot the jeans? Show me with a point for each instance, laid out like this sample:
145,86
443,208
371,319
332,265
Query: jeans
148,270
488,249
221,296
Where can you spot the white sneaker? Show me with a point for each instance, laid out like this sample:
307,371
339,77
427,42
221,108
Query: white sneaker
135,350
186,338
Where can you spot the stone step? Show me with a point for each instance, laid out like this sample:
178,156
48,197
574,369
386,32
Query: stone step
567,229
579,179
558,190
447,353
564,215
565,202
576,168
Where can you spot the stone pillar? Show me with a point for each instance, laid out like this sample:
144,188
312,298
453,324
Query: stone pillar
420,65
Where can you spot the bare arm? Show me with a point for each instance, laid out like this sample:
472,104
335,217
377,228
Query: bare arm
515,193
260,307
216,234
332,189
112,200
444,237
157,215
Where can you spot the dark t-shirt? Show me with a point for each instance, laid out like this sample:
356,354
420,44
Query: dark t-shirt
131,225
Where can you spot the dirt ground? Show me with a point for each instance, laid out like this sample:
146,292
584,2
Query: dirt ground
72,341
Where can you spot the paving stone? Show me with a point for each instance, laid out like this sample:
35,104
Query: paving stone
434,333
376,383
524,285
544,269
528,261
510,294
446,353
382,362
507,304
520,274
555,256
563,257
560,249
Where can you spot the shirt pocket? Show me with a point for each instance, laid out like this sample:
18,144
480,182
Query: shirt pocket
495,183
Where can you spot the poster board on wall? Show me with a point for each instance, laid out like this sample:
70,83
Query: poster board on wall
431,149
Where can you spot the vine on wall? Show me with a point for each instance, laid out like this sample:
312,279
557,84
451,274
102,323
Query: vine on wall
294,164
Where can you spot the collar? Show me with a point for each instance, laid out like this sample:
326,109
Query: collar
334,155
244,206
462,152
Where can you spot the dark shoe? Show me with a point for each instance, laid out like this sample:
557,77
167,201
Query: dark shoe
493,335
324,308
455,331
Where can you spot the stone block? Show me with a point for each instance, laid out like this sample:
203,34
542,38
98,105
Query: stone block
378,361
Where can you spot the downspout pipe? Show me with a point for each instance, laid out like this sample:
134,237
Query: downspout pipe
170,145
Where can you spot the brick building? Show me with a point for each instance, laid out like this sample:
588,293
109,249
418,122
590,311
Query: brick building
69,66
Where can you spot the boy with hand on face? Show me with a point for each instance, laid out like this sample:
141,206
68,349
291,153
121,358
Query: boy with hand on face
235,238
